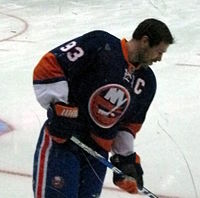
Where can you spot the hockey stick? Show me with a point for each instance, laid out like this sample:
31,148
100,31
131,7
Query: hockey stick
103,160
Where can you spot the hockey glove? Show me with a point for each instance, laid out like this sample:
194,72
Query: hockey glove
131,179
62,121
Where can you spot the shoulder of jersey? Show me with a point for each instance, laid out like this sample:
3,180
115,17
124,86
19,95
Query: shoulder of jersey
103,35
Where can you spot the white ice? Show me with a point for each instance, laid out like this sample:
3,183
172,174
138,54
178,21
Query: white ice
169,142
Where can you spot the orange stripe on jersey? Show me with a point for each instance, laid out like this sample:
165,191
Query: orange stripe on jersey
133,127
54,138
137,159
125,53
104,143
58,140
124,49
48,68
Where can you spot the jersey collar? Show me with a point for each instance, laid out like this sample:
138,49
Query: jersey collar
131,67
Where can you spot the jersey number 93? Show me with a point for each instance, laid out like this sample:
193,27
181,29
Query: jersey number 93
73,52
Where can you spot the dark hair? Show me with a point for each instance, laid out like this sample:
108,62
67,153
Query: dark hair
156,30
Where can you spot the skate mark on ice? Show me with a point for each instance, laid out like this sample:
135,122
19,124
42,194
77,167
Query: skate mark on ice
187,65
184,158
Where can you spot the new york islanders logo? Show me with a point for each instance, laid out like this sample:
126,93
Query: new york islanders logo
107,104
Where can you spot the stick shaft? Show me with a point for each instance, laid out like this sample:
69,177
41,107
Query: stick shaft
103,160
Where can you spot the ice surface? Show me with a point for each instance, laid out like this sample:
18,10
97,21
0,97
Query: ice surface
169,140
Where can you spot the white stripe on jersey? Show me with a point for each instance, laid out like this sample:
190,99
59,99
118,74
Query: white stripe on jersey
51,93
123,143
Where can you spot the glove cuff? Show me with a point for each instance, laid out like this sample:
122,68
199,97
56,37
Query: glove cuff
65,110
119,160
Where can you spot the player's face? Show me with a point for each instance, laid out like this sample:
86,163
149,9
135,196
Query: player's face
148,55
155,53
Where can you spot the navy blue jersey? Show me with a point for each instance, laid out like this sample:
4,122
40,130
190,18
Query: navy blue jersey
92,72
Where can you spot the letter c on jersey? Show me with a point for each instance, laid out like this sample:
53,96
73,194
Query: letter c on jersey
107,104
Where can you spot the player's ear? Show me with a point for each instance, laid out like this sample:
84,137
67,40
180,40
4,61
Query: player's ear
145,41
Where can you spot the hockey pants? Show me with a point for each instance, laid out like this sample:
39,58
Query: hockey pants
66,171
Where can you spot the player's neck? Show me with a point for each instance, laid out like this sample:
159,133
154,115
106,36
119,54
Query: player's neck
132,47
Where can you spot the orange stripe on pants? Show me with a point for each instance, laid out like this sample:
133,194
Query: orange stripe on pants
43,160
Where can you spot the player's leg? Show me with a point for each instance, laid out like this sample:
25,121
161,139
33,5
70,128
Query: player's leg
56,170
92,176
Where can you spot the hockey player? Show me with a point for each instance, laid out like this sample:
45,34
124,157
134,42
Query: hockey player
97,88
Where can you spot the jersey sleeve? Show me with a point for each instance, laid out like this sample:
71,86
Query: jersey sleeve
57,68
124,141
77,55
49,81
134,122
123,144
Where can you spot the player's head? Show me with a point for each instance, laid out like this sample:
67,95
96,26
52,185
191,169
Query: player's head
155,30
149,41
